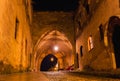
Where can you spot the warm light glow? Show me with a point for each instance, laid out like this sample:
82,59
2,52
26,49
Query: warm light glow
52,59
56,67
56,48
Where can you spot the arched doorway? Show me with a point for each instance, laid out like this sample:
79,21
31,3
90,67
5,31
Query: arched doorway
114,36
116,44
48,63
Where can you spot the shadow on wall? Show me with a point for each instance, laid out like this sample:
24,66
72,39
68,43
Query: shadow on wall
48,62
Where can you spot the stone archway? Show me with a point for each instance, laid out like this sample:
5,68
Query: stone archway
48,63
45,45
113,37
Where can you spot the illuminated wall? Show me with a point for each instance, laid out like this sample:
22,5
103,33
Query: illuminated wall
96,54
15,39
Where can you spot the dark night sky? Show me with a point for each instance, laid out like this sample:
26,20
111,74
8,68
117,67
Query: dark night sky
54,5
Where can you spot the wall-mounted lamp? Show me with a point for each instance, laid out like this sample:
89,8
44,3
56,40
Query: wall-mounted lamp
56,48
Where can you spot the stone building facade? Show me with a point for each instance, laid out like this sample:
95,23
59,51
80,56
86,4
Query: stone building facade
97,34
15,38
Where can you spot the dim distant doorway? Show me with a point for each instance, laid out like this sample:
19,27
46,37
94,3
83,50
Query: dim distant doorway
48,63
116,43
114,34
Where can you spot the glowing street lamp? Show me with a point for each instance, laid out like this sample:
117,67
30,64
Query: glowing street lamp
56,48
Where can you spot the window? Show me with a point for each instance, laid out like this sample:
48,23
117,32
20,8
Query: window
101,32
90,43
81,51
16,27
26,46
119,3
86,5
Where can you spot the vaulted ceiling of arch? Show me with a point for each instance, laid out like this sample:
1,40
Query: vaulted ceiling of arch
48,41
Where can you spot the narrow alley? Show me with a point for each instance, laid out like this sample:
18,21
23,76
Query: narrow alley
59,40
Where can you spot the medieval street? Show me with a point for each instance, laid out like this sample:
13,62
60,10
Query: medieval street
58,76
59,40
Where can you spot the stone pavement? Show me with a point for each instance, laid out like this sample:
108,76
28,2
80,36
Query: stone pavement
30,76
78,76
109,74
62,76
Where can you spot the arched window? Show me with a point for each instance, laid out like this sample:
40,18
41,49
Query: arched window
90,43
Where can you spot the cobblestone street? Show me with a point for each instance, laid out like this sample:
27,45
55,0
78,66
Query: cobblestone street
66,76
29,76
55,76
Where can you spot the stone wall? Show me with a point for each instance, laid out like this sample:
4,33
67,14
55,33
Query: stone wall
83,14
15,39
97,58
